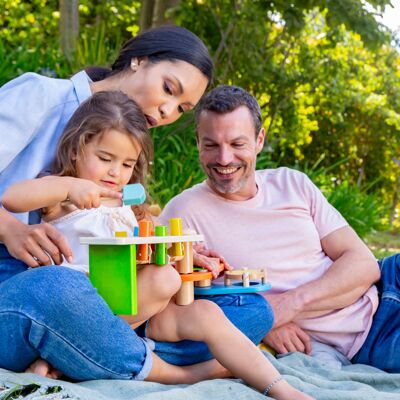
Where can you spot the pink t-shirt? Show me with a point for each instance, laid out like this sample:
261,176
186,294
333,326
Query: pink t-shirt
279,229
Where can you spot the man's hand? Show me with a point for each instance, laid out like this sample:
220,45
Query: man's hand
287,338
33,244
209,259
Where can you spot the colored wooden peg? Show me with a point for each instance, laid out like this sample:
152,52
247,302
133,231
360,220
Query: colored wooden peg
185,294
161,248
176,230
145,227
246,277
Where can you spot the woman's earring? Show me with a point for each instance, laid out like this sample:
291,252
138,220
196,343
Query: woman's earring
134,65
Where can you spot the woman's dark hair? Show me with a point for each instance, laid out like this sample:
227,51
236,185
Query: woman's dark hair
165,43
100,113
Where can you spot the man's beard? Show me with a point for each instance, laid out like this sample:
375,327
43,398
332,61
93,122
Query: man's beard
229,187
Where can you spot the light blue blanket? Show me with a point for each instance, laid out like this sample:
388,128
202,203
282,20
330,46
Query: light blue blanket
358,382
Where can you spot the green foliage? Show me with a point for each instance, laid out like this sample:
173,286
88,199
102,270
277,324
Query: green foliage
176,165
363,211
95,48
326,77
324,72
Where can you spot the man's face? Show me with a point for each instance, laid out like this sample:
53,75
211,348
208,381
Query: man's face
228,150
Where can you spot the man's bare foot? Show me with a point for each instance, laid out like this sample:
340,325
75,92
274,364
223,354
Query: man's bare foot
43,368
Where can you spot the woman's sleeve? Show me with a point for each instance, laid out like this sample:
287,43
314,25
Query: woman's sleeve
23,104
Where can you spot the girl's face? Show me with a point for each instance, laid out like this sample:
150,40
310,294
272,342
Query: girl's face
163,90
109,159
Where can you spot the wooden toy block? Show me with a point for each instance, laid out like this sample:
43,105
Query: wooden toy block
112,270
203,282
112,267
121,234
133,194
245,282
242,274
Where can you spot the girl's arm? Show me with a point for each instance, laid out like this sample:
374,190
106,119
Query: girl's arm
37,193
49,191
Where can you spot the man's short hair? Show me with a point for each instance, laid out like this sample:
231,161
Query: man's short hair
227,98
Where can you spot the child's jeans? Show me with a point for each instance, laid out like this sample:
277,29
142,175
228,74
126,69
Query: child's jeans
381,349
56,314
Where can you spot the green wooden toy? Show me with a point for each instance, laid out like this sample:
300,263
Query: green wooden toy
112,267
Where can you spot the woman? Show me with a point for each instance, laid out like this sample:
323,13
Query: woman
165,70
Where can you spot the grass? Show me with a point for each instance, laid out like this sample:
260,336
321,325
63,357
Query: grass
383,244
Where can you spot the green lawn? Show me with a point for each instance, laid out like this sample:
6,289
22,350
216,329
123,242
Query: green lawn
384,243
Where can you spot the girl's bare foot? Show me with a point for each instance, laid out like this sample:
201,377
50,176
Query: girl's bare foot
43,368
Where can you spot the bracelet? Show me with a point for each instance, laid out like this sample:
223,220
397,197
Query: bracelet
269,387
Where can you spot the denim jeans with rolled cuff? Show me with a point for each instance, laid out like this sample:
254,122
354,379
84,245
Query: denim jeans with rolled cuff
56,314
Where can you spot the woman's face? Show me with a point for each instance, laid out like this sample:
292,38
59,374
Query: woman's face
163,90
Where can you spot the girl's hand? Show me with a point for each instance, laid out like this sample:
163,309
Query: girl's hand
86,194
209,259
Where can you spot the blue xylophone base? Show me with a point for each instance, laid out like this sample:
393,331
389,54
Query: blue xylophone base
236,287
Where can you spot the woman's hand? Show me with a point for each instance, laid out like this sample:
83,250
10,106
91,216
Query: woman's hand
209,259
86,194
33,244
43,368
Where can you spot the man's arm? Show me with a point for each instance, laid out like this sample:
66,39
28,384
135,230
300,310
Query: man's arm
352,273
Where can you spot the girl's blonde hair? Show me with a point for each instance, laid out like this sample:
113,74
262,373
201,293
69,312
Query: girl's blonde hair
99,113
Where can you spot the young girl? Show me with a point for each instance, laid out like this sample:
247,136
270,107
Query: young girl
105,146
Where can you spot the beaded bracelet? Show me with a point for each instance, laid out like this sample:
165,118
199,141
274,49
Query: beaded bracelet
269,387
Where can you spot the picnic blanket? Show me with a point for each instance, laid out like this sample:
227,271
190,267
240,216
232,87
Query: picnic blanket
305,373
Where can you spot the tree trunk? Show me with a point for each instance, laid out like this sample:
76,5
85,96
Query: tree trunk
146,14
69,26
152,13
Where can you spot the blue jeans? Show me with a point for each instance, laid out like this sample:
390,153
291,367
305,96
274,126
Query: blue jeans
381,349
56,314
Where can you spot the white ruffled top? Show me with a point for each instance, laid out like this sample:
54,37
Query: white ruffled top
95,222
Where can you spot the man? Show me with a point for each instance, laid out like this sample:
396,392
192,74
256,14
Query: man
322,274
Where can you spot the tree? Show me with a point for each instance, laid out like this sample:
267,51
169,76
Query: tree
154,12
69,26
